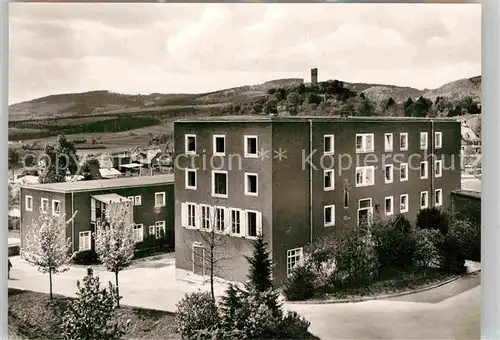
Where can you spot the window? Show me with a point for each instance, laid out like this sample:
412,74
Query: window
251,147
403,141
138,200
293,259
423,170
29,203
389,206
346,198
191,179
329,215
438,140
151,230
220,225
159,229
130,198
205,217
251,183
236,227
329,183
328,144
56,207
438,197
191,215
364,143
424,199
389,173
388,142
219,145
219,184
253,223
364,176
138,233
403,172
438,168
44,204
423,140
160,199
84,241
190,144
403,203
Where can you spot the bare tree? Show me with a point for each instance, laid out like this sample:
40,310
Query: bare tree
47,247
115,243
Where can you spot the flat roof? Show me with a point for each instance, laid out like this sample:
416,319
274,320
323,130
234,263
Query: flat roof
268,119
467,193
122,182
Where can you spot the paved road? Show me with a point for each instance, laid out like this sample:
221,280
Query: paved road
436,314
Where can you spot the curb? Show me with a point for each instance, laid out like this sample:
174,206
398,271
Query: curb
383,296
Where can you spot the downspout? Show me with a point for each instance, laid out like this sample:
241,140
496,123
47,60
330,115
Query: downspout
72,226
310,184
433,164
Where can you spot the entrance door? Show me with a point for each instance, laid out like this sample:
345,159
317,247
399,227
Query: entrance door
198,259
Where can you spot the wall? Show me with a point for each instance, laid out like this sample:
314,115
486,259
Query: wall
467,206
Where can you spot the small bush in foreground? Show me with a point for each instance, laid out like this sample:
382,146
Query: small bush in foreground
433,218
85,257
300,284
196,311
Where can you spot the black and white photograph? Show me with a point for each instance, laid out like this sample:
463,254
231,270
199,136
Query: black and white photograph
227,171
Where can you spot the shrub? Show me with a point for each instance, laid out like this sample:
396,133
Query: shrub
451,258
433,218
300,284
394,243
85,257
426,252
196,311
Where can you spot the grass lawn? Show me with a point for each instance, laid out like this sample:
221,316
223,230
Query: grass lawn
32,317
392,281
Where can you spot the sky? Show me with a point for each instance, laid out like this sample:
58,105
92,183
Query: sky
194,48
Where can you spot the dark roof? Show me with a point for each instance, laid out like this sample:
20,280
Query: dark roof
269,119
467,193
122,182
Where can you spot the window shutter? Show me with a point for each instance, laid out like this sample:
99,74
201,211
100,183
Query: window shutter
259,223
227,221
243,223
184,214
151,230
141,233
197,216
92,209
130,206
333,214
211,218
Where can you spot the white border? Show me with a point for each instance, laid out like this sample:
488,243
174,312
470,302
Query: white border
214,145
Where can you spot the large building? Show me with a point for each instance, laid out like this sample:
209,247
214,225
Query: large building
298,179
152,211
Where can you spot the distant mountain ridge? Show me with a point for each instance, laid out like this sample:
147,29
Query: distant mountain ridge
102,101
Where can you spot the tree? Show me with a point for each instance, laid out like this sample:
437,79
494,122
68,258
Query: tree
90,169
58,161
66,150
270,106
46,245
260,266
293,99
14,159
91,315
408,103
115,243
366,108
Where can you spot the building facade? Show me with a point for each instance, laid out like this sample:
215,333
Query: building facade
298,179
152,207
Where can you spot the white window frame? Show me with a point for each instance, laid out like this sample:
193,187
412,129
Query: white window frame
245,146
138,226
405,166
187,218
331,145
426,171
241,215
440,191
388,146
138,200
364,169
258,221
438,164
407,207
247,186
164,195
215,214
54,207
84,235
391,212
364,148
391,173
297,255
330,173
186,179
42,201
151,230
424,146
332,216
436,139
131,198
160,225
28,202
426,205
405,135
92,209
186,144
214,140
204,207
213,183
